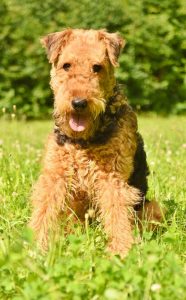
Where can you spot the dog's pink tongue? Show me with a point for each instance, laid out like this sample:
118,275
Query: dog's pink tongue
77,123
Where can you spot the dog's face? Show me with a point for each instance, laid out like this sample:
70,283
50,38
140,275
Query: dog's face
82,77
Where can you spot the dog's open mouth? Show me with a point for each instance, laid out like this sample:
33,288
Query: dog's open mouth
78,122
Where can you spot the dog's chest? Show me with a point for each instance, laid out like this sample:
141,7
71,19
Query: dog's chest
83,164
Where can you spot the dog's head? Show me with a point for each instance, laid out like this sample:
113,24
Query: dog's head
82,77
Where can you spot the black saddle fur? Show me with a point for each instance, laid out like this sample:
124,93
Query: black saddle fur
138,178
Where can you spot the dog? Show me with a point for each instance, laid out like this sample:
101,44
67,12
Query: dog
95,157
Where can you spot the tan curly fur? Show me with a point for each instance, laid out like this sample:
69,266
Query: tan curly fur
77,175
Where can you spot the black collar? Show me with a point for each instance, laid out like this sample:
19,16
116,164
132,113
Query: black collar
108,124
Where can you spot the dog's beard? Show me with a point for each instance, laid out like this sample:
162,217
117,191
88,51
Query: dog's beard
83,124
78,126
80,122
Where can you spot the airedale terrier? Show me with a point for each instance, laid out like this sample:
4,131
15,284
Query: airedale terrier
95,157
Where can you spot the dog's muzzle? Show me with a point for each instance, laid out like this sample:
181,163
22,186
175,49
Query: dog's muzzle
78,120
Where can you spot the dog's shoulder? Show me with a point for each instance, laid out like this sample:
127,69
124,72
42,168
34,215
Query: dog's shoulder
129,120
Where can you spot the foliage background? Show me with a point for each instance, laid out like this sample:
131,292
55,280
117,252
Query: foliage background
152,66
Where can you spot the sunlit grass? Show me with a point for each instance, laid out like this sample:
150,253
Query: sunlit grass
79,267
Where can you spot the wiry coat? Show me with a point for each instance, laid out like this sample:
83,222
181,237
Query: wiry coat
104,165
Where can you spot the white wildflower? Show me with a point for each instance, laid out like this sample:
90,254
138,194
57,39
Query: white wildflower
155,287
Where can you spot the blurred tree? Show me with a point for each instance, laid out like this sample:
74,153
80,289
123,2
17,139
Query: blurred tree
152,66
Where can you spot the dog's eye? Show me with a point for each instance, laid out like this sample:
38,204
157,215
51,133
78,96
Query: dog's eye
66,66
97,68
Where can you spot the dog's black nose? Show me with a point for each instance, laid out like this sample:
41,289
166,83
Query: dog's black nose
79,104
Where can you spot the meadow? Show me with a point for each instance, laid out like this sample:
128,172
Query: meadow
79,267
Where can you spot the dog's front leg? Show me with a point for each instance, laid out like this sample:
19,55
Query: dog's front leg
115,201
48,201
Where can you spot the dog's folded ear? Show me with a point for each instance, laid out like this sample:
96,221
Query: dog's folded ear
54,43
114,44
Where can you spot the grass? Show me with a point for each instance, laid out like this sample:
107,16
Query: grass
79,267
